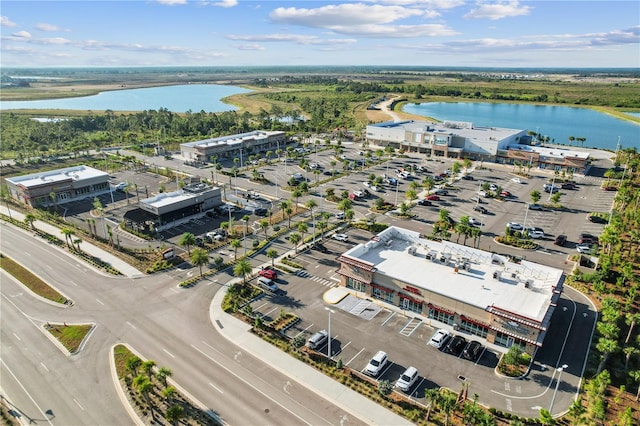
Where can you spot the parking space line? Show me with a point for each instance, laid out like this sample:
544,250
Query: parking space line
262,306
267,313
355,356
416,388
303,330
388,318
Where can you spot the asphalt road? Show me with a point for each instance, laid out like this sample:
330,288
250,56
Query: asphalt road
160,321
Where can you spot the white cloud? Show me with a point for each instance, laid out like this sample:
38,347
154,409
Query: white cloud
6,22
290,38
226,3
22,35
343,15
172,2
628,36
253,47
47,27
498,10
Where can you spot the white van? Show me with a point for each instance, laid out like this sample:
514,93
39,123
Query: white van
268,284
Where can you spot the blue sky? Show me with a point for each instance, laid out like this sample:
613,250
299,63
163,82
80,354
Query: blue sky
512,33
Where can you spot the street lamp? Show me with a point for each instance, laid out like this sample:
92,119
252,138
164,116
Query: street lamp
526,211
331,311
244,237
397,182
553,399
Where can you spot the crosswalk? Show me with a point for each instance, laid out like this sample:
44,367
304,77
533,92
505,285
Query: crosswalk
321,281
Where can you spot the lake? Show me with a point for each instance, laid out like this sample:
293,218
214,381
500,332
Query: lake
182,98
556,122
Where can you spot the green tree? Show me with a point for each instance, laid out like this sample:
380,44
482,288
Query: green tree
295,238
456,167
29,218
174,414
235,244
272,254
535,196
311,204
187,239
144,386
168,393
264,225
433,398
385,387
242,269
303,228
68,234
555,198
545,417
147,367
607,347
199,258
162,375
132,365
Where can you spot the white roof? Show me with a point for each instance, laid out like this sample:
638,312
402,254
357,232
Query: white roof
524,288
232,140
554,152
76,173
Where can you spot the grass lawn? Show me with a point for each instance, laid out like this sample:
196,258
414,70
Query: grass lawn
30,280
71,336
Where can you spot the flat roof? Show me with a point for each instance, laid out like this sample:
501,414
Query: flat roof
232,139
459,128
167,198
554,152
75,173
524,288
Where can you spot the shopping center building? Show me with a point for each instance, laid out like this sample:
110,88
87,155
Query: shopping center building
456,139
58,186
233,146
475,292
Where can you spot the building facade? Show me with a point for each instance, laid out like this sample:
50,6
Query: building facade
234,146
464,140
58,186
475,292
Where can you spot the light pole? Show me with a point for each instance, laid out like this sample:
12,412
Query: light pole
276,186
553,185
553,399
526,211
331,311
397,183
244,237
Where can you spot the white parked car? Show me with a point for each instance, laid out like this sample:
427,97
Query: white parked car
374,188
407,379
341,237
359,194
376,364
536,234
584,248
474,222
516,180
340,215
439,338
366,184
515,226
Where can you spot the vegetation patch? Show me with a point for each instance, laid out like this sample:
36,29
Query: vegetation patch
31,281
71,336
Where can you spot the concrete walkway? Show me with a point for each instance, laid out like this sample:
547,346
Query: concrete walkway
87,247
238,332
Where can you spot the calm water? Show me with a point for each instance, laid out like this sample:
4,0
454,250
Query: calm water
557,122
194,97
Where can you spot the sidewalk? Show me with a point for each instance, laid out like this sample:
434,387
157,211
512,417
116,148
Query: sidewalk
87,247
238,332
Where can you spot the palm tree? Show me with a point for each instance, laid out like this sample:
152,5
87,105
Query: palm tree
295,238
174,414
296,194
77,242
311,204
272,254
344,205
264,225
147,367
162,375
329,193
448,404
545,417
433,398
631,320
322,226
168,393
6,196
242,269
199,258
236,244
187,239
411,194
607,347
303,228
68,234
288,212
29,218
144,386
132,365
635,376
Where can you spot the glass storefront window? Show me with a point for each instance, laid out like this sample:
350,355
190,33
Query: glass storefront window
383,295
474,329
410,305
441,316
356,285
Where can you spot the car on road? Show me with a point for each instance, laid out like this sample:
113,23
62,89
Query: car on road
376,364
474,222
455,345
560,240
472,350
120,187
468,177
260,211
432,197
268,273
596,219
516,180
439,338
340,215
584,248
318,340
536,234
480,209
340,237
424,203
535,207
407,379
226,208
441,192
330,172
514,226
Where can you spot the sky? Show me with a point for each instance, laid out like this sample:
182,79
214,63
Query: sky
439,33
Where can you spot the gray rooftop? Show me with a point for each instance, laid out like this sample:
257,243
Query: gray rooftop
75,173
524,288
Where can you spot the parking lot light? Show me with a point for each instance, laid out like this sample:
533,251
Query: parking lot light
553,399
331,311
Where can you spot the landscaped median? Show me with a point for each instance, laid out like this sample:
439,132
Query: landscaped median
32,281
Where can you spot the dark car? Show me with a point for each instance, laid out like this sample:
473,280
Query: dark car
596,219
320,248
586,239
441,192
455,345
560,240
468,177
433,198
568,185
480,209
472,351
424,203
260,211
